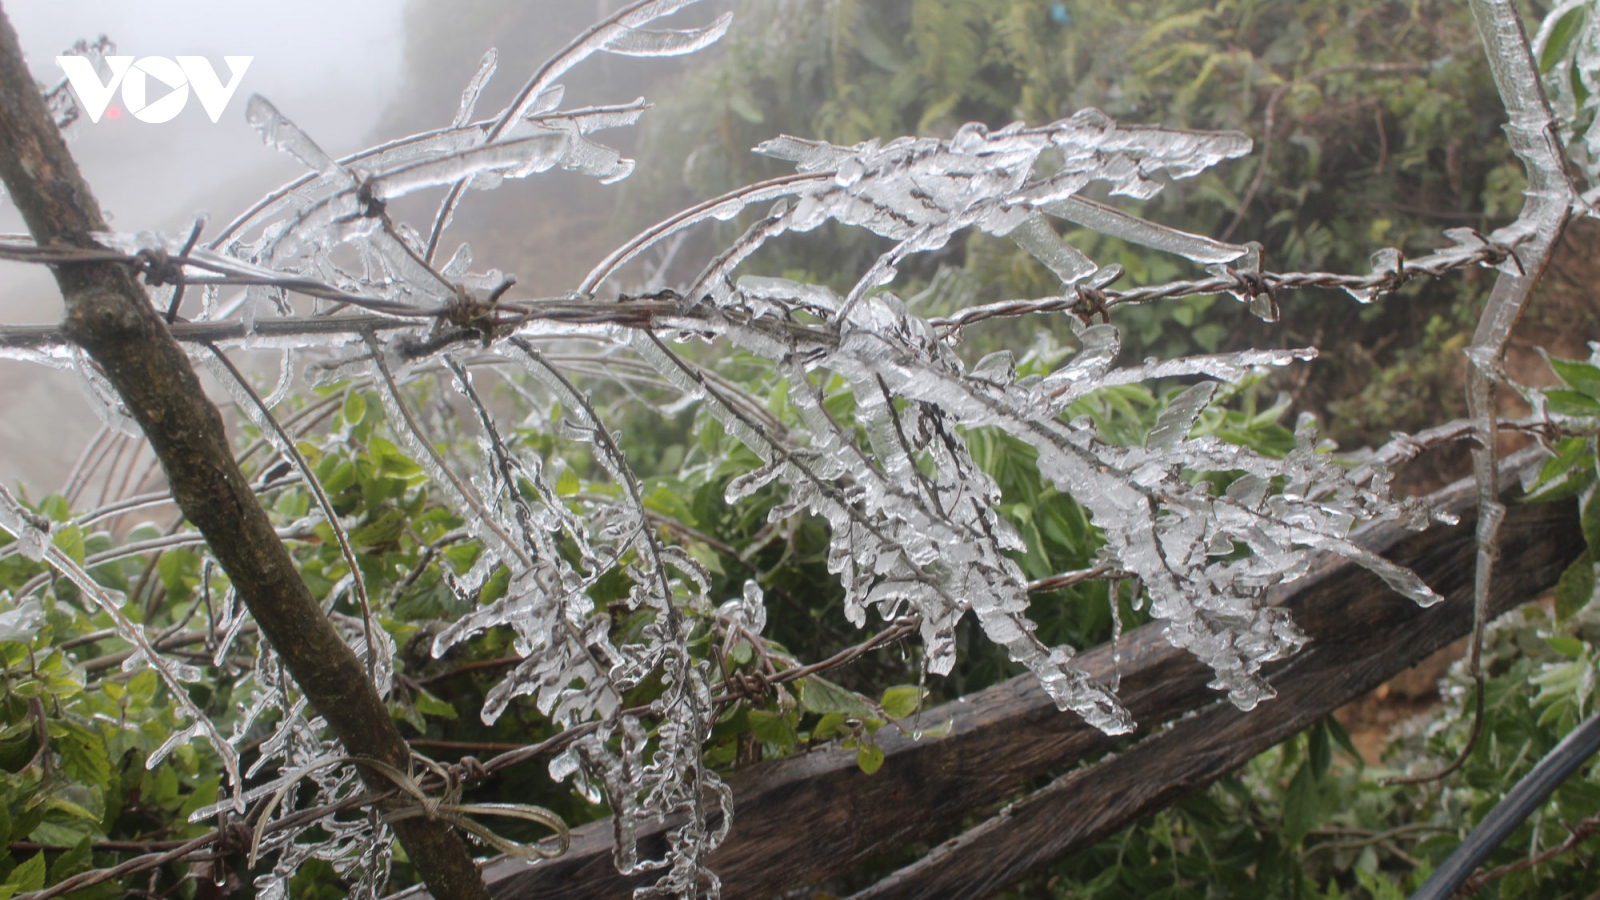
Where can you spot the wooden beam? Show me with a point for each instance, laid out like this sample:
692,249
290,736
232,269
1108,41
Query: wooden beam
1350,655
806,818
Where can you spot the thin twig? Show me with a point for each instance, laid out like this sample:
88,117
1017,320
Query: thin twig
1578,834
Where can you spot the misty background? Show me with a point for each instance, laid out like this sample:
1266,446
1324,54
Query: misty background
351,74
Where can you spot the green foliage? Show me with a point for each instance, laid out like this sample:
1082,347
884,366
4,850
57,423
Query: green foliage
1384,132
91,784
1361,157
1572,470
1309,819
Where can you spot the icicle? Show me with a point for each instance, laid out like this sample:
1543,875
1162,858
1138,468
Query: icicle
31,530
281,134
638,42
469,95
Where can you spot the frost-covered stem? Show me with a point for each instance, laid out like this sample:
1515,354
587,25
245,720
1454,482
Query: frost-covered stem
82,467
770,189
1550,195
765,442
109,315
1101,572
1434,265
410,431
593,38
500,454
279,436
624,472
136,548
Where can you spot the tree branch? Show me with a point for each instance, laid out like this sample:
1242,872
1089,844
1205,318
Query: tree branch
109,315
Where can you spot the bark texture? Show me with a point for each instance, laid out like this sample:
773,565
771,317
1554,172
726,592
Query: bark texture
110,316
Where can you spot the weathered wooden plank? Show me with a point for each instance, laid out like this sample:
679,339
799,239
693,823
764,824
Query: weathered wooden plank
803,819
1348,657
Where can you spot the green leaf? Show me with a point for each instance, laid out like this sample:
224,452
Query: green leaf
204,794
819,695
1591,524
668,503
385,529
901,701
869,757
1580,376
1561,37
56,508
83,753
1299,805
828,727
773,728
30,875
390,460
1319,751
1342,738
462,556
1572,403
70,539
26,820
567,484
428,704
1571,454
1569,647
355,408
499,582
70,863
342,476
79,801
1575,588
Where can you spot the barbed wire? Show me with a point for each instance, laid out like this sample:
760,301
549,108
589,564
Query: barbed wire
488,318
1088,302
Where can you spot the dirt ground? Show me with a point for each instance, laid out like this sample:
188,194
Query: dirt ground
1413,693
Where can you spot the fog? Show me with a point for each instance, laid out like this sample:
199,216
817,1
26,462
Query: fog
331,66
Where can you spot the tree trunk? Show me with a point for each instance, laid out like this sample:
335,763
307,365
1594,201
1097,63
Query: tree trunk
109,315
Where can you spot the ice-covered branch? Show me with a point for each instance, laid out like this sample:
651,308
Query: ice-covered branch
1532,134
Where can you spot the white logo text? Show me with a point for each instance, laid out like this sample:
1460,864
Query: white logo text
133,77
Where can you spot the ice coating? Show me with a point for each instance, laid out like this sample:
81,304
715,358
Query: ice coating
570,668
103,397
673,42
31,530
920,191
281,134
903,540
1111,221
916,527
474,88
